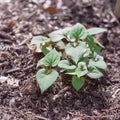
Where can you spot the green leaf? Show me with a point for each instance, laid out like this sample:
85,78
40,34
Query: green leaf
46,80
39,39
61,45
66,65
87,53
93,41
77,82
78,31
51,59
46,49
94,73
93,31
40,63
81,70
98,62
76,52
59,34
93,45
71,72
97,42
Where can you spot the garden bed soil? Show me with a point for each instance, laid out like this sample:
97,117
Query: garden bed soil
20,99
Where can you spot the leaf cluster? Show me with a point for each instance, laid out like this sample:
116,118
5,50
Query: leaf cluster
71,51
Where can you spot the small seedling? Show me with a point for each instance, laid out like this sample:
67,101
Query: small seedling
71,51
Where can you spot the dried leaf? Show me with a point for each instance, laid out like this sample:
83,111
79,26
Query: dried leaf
50,10
10,25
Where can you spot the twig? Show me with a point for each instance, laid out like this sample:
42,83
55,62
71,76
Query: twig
13,70
59,93
41,117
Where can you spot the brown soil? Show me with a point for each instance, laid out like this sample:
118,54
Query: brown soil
20,20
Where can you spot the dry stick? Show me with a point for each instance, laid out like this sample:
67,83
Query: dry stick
59,93
41,117
29,67
88,116
13,70
117,9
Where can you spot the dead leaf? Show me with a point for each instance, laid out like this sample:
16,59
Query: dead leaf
87,25
30,86
10,25
50,10
35,48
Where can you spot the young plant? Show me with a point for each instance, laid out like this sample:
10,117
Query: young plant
71,51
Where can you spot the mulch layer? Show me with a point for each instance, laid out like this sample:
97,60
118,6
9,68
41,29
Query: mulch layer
20,99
